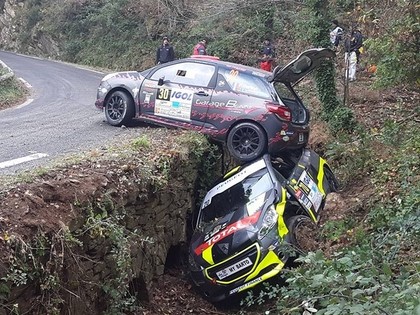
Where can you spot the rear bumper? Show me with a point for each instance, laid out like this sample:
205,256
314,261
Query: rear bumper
288,136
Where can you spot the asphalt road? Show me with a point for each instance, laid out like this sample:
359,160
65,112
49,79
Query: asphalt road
59,118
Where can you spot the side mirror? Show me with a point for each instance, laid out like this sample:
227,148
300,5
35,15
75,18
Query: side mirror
161,81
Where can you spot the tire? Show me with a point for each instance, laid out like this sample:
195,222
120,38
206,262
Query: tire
119,108
333,184
246,141
303,234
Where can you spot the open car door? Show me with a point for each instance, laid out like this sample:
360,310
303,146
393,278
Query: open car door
304,64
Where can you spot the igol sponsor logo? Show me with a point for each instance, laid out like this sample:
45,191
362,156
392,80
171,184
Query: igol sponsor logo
181,95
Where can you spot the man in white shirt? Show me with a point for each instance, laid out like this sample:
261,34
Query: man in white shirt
336,34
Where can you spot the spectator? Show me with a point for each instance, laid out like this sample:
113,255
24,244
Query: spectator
352,46
336,34
268,54
200,48
165,52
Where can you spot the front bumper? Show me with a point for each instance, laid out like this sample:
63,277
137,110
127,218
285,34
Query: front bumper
266,263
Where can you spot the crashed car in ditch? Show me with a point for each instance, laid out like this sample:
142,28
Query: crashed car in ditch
250,110
251,216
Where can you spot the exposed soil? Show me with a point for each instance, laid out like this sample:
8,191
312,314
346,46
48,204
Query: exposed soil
173,293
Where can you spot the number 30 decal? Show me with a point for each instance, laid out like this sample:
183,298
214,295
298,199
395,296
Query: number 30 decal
163,94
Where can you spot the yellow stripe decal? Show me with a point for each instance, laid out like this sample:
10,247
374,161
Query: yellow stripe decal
312,216
270,259
232,172
320,177
280,207
208,255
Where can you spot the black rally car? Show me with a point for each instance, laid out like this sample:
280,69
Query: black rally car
249,216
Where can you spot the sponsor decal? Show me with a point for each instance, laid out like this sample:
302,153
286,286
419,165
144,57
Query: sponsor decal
308,192
215,231
229,230
229,104
246,285
147,97
173,103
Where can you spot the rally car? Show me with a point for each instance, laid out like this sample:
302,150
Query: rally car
250,110
251,216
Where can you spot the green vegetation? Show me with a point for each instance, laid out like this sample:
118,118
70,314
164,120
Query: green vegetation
11,91
378,271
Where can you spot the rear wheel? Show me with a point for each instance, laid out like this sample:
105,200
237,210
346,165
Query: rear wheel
119,108
246,141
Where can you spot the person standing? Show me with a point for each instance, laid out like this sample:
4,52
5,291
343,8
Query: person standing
165,52
200,48
268,54
336,34
352,47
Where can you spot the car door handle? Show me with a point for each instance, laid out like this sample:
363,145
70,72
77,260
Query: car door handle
202,93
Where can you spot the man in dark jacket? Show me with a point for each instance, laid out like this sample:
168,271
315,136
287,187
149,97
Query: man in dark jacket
352,47
165,52
268,53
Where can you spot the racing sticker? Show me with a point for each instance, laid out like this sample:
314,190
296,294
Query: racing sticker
308,192
229,230
173,103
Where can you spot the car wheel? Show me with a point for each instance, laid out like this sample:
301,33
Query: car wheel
304,234
119,108
333,184
246,141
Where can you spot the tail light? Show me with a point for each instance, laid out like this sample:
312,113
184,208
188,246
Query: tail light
281,111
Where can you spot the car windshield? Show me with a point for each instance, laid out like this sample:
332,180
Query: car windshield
249,192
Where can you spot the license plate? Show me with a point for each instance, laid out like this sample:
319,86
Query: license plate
301,137
226,272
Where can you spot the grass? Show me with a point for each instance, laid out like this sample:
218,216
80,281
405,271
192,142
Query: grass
12,92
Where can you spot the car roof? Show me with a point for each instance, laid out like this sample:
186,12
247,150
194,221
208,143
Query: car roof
226,64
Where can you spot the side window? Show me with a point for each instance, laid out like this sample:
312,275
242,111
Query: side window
189,73
244,83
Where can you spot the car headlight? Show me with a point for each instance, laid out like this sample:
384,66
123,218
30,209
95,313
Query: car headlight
269,220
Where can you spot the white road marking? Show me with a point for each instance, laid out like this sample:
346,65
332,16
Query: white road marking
22,160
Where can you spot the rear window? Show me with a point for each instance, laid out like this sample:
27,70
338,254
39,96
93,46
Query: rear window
283,91
244,83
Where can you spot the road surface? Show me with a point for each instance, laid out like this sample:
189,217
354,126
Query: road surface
58,119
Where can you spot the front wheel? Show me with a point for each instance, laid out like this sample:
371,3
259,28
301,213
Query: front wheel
246,141
333,183
119,108
304,234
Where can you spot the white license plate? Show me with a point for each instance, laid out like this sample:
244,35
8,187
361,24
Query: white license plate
301,137
224,273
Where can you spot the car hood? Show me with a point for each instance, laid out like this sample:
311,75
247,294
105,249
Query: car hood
304,64
225,237
228,235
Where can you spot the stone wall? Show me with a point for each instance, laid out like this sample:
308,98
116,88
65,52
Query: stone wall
91,238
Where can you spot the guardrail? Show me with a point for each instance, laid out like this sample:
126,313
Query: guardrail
9,73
